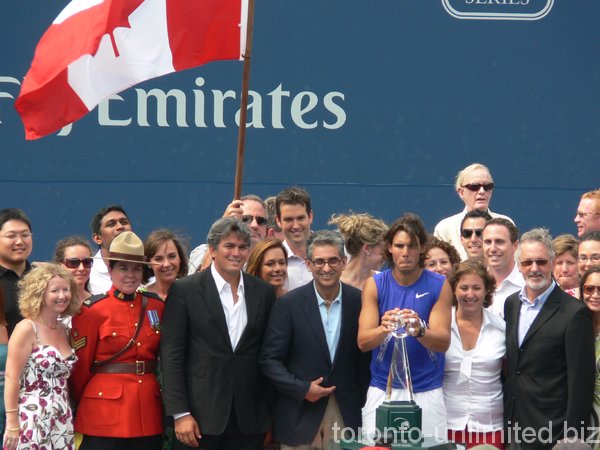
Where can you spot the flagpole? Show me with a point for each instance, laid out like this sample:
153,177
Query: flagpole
239,165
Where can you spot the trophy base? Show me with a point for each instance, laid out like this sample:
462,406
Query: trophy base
399,427
398,422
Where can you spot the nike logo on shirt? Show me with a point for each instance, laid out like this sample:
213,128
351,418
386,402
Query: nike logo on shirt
417,295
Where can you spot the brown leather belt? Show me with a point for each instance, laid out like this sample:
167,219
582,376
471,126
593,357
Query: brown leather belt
137,368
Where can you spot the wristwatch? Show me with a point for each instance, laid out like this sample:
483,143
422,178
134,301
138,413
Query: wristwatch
422,329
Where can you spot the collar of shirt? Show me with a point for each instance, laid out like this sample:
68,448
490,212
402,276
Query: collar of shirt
290,253
99,265
322,302
539,300
221,283
4,270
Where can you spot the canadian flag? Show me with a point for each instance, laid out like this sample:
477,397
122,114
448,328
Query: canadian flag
97,48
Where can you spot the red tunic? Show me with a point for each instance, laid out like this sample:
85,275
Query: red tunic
116,404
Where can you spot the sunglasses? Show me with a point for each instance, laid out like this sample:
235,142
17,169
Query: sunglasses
247,219
539,262
467,233
590,289
73,263
476,186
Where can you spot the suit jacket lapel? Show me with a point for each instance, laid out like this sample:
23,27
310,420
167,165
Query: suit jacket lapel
547,311
251,300
515,313
214,306
345,326
314,319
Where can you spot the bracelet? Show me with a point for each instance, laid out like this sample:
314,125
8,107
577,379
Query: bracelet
12,429
11,410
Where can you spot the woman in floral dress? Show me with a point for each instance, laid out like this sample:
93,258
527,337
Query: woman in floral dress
40,360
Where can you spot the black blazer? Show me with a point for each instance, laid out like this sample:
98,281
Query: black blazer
551,375
295,352
201,372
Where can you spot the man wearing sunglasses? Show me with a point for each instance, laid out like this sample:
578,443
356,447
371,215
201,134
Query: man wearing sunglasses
15,247
474,185
471,231
549,389
251,210
587,217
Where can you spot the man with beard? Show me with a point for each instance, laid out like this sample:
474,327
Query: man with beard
550,354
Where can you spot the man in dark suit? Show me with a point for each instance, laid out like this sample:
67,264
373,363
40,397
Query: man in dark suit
550,350
213,328
310,353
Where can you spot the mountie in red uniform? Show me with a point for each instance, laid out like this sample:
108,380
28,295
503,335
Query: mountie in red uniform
122,398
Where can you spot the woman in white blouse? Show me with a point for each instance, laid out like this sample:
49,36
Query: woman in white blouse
472,385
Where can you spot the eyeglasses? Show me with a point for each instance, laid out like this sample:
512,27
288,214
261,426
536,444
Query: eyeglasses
585,214
467,233
476,186
247,219
590,289
319,263
73,263
14,236
539,262
595,258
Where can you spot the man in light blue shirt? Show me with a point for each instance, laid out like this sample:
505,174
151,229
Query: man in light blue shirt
311,355
550,354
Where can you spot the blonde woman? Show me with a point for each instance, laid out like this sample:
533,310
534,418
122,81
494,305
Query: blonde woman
40,360
363,238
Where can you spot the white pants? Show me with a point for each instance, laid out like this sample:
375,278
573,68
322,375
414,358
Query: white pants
431,403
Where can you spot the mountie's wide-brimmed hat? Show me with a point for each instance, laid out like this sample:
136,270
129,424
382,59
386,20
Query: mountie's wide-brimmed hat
127,247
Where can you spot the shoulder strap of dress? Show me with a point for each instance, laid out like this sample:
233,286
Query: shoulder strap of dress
37,339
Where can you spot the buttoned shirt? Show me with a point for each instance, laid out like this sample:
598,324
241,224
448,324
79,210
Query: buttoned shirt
511,284
100,281
332,320
448,230
298,273
530,310
472,386
236,315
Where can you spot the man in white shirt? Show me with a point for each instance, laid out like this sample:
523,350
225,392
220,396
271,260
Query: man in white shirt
106,225
474,185
500,243
213,328
294,217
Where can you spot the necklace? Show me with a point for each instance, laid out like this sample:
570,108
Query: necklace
52,327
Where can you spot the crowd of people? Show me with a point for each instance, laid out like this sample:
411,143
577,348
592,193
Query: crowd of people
272,335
